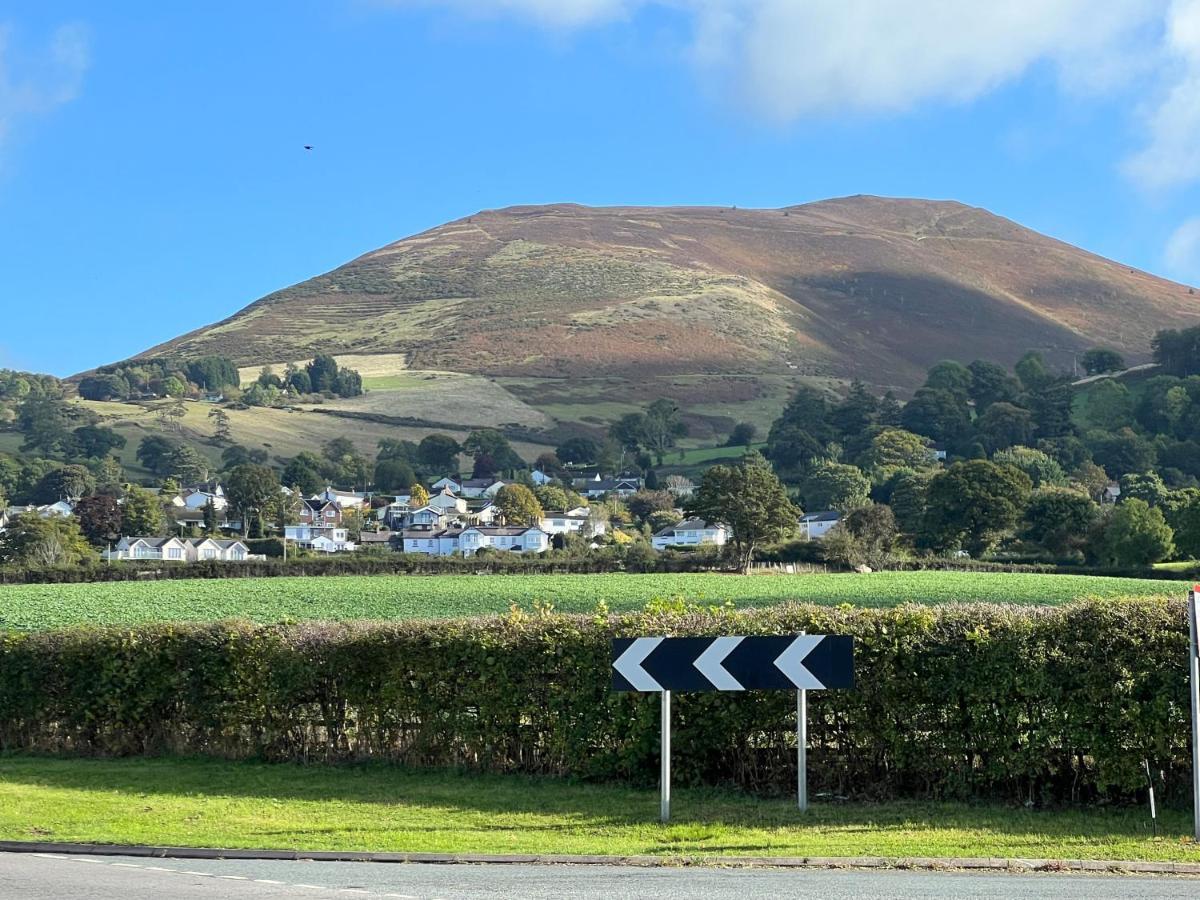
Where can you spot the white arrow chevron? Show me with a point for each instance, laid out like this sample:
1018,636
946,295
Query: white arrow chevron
629,664
710,664
791,662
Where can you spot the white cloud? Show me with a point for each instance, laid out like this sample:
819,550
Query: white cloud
1171,156
1183,250
553,13
35,83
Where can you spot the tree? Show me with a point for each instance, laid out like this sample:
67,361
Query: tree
1135,534
1147,486
154,452
1108,406
1091,479
268,378
304,472
31,540
299,382
43,421
260,395
556,497
1100,360
213,373
662,427
642,504
518,505
65,483
348,383
971,504
142,514
895,448
347,466
1051,406
950,376
742,435
393,475
792,448
1032,371
578,451
991,383
251,488
322,373
1059,520
491,443
186,464
439,453
104,387
99,518
1121,452
629,431
808,410
1041,469
937,414
864,536
95,441
1004,425
908,499
417,495
212,519
750,500
1177,351
835,486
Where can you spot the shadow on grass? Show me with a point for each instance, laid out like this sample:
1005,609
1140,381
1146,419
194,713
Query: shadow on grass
578,805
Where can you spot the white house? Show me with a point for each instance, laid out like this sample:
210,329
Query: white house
431,541
481,487
427,517
447,502
598,487
344,499
331,539
689,533
198,497
453,484
540,478
571,523
517,538
173,549
814,526
59,509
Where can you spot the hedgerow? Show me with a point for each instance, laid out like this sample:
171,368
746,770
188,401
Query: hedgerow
1002,702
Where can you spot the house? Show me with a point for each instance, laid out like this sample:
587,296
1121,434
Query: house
320,511
814,526
571,523
323,539
198,497
690,533
540,478
622,486
427,517
385,539
431,541
453,484
1112,493
475,488
516,538
173,549
484,515
344,499
395,514
59,509
447,502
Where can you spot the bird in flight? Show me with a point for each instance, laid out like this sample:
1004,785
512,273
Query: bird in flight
308,146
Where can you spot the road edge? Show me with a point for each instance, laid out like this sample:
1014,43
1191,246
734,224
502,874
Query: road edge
927,863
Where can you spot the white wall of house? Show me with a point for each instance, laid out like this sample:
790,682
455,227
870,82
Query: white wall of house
714,535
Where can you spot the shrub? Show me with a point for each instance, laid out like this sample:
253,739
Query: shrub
1018,704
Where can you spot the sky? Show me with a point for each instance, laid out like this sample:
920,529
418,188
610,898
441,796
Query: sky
153,176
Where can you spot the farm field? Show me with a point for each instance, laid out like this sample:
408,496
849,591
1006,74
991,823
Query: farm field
37,607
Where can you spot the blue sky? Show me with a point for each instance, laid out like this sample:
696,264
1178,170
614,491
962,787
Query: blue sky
153,177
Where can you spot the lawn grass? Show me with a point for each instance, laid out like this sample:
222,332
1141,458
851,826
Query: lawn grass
376,807
40,606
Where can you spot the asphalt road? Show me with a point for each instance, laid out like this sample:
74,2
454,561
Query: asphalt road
26,876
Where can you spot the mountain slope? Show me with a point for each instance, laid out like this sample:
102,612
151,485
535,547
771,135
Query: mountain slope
862,287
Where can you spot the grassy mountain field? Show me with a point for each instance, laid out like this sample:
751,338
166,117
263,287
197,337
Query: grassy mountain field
556,318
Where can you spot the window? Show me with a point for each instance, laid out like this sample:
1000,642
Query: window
175,553
210,554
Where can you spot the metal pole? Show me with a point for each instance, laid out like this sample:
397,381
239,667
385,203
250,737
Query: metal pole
664,808
802,749
1194,671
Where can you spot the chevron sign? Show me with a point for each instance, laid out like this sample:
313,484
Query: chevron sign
791,662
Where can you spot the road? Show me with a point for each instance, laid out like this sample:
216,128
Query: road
27,876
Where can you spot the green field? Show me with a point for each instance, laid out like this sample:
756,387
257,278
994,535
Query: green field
376,807
442,596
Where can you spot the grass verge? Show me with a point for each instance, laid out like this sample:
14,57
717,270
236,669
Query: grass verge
188,802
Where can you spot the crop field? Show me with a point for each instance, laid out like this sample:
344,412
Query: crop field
36,607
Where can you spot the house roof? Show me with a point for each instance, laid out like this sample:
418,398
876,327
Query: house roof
692,524
503,530
827,515
480,482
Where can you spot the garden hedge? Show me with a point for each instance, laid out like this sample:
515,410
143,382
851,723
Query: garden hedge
1022,704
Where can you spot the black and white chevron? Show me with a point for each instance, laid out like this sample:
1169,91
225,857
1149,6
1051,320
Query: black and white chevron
789,662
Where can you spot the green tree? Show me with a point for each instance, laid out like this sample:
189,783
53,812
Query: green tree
1147,486
95,441
213,373
835,486
1122,451
186,464
629,431
1100,360
1032,371
1108,406
64,483
662,428
937,414
1004,425
31,540
1059,519
991,383
864,536
646,502
43,421
972,504
322,373
154,452
556,497
893,449
142,514
438,453
250,489
212,519
749,499
909,498
1135,534
490,443
304,472
951,376
393,475
1041,468
518,505
742,435
578,450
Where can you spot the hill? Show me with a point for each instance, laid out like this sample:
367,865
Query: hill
567,314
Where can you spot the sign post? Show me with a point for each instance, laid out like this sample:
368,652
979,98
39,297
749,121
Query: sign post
1194,689
801,663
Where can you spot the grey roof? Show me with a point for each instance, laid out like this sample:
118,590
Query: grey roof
828,515
503,530
692,524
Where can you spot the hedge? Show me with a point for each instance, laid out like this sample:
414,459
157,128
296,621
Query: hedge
1041,705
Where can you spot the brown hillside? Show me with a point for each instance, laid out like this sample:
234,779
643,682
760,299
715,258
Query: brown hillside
857,287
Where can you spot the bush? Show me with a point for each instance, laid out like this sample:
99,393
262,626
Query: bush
1039,705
